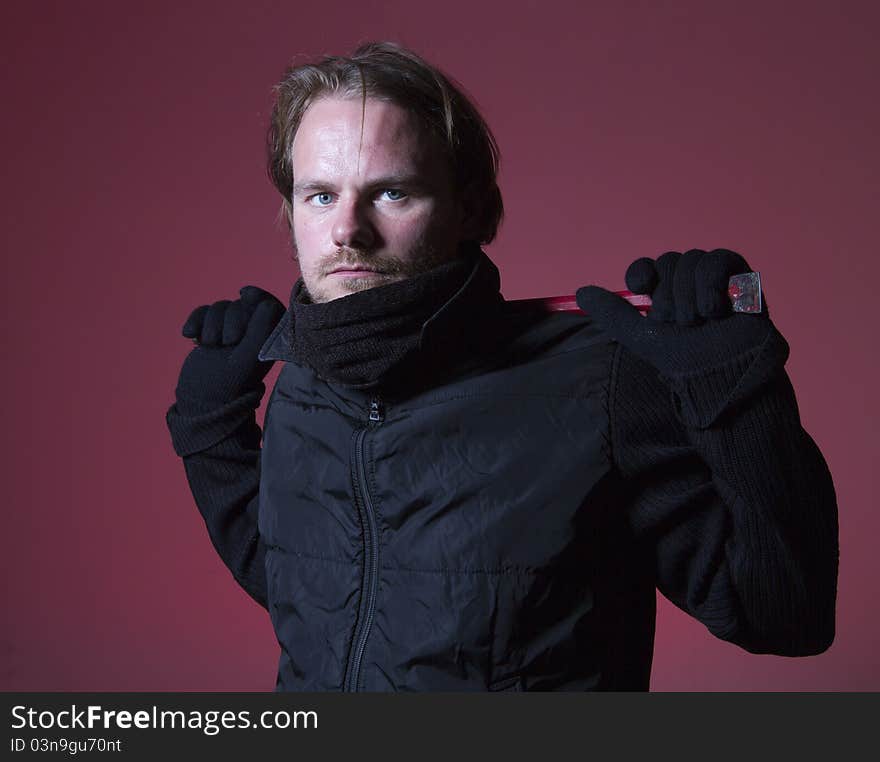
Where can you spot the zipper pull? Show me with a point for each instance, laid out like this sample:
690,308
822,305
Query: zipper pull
376,411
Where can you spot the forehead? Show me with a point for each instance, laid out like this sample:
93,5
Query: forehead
350,135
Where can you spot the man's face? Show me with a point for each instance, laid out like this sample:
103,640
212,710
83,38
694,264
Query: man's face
373,200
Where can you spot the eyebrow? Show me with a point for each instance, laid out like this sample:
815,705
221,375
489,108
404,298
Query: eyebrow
388,181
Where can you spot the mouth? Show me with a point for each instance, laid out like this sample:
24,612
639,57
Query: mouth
353,272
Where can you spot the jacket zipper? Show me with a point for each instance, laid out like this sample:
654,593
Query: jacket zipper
371,548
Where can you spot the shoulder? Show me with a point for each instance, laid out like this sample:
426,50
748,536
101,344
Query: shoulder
555,353
540,332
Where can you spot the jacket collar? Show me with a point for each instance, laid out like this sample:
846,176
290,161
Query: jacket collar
277,346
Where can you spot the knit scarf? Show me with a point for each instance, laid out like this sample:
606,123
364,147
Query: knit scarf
372,336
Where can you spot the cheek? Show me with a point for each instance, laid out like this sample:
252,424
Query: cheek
307,249
308,234
401,229
425,223
308,226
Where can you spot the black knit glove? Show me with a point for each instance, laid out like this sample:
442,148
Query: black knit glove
229,335
691,330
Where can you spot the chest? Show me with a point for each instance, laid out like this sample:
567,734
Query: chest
484,474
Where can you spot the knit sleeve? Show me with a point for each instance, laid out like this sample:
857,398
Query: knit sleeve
741,513
220,449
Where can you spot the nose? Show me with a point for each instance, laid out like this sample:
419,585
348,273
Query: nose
351,225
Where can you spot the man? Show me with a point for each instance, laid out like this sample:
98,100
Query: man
453,493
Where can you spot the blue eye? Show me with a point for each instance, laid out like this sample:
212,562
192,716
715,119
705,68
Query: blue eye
393,194
321,199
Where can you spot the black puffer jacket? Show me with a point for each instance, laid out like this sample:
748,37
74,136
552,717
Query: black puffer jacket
504,526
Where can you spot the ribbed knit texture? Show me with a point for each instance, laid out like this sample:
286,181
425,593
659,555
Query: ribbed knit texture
221,456
742,513
359,339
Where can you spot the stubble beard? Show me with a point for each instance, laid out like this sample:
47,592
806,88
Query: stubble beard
425,256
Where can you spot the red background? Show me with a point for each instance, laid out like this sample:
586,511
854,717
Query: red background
135,190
